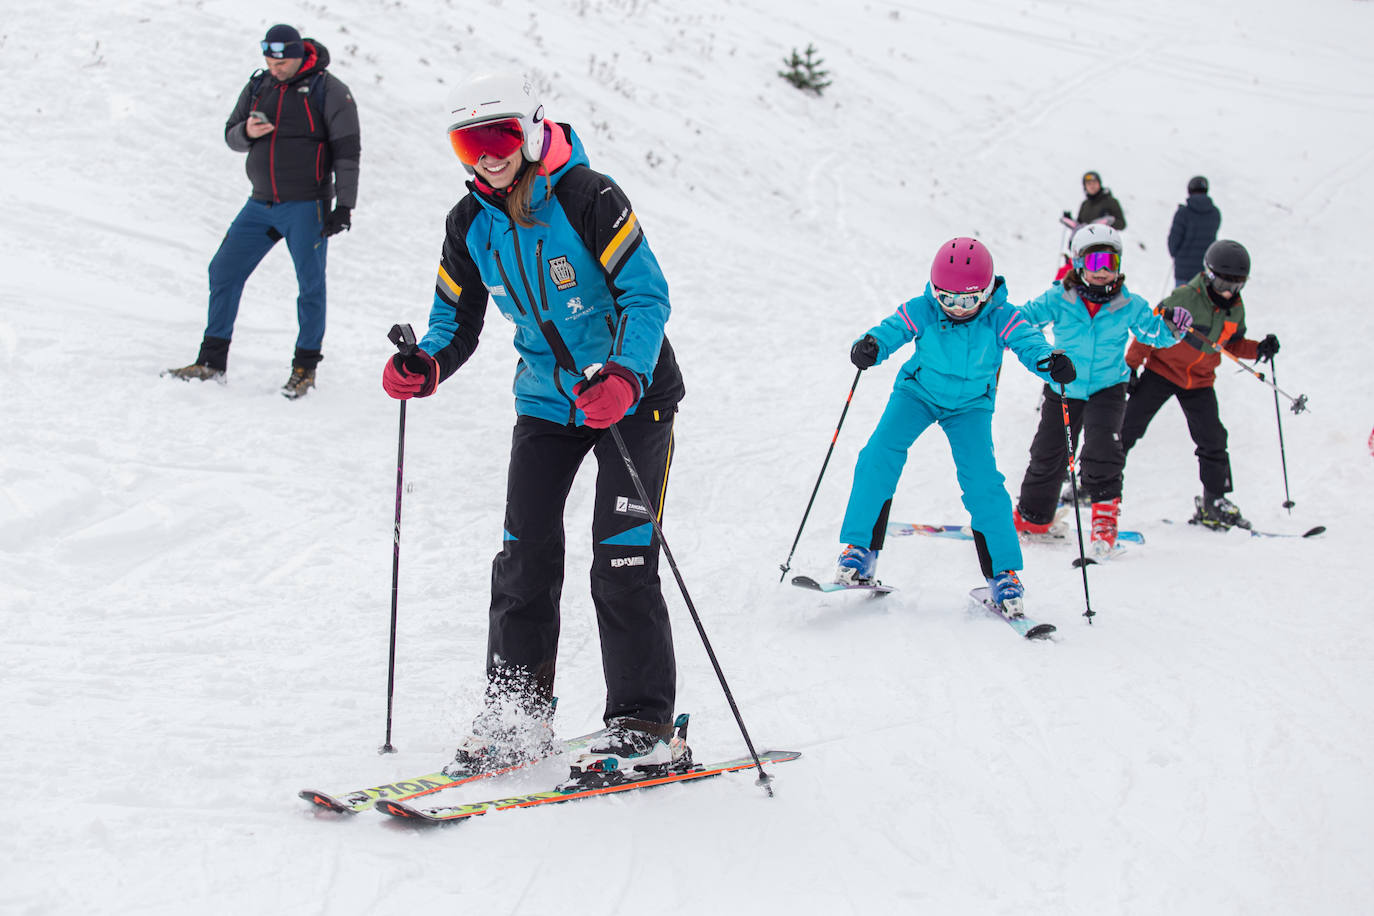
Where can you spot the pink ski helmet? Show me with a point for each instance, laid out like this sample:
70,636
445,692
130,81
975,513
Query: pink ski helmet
962,277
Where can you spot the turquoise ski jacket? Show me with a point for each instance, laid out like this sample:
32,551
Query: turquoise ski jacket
955,364
1097,343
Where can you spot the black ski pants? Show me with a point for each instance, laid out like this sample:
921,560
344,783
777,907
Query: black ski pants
1204,424
527,575
1101,459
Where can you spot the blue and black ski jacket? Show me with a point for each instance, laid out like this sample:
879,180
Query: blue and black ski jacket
581,286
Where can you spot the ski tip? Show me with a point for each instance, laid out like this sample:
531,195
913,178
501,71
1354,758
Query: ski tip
325,800
1080,562
1313,532
403,811
1041,631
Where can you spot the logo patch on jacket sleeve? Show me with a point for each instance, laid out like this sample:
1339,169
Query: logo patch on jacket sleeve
562,273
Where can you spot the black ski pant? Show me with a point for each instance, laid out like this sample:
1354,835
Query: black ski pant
1101,459
1204,424
527,575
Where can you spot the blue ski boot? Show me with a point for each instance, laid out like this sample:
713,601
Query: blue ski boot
1006,590
857,566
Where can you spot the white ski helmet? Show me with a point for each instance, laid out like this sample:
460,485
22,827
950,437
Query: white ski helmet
497,96
1094,235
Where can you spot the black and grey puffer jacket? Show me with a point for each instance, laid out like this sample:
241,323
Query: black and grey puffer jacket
313,153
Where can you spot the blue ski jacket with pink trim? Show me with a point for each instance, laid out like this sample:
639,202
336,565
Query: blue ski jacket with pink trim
956,364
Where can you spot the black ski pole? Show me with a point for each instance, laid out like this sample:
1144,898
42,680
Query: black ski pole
786,565
1082,561
764,779
1283,456
403,336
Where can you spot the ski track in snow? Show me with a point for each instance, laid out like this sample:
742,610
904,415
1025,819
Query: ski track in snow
195,579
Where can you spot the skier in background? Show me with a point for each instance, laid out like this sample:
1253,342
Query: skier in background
1094,315
958,327
559,249
1099,203
299,126
1194,228
1187,371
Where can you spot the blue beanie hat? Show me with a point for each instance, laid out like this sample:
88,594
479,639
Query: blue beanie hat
285,38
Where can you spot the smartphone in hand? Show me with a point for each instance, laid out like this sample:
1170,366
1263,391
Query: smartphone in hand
258,116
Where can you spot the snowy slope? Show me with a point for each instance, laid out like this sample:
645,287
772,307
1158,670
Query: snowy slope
195,579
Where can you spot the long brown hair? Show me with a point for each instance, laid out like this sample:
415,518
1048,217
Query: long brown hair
518,201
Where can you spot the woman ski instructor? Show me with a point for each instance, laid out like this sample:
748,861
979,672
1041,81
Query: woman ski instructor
561,252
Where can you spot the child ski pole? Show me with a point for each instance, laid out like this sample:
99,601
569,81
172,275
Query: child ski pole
1283,456
787,564
1082,561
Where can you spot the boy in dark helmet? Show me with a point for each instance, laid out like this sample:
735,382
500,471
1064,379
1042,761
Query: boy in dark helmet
1187,370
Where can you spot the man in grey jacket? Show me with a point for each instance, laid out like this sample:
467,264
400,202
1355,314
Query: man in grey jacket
299,126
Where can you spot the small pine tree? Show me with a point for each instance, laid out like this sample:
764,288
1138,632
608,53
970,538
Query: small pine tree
805,72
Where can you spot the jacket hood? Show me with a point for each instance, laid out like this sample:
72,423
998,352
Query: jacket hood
316,59
1200,203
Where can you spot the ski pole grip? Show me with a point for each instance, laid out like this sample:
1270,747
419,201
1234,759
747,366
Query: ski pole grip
403,336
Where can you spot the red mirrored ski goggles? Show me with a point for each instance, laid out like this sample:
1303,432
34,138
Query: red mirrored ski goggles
497,139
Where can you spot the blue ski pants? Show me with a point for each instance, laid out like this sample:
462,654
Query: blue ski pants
969,431
251,235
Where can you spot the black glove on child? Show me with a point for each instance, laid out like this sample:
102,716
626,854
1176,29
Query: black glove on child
864,353
337,221
1266,349
1059,366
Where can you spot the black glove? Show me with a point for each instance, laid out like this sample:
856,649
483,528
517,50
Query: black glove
1266,349
1059,366
337,221
864,353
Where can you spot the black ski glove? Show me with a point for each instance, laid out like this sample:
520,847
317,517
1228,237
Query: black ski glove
1059,367
337,221
1268,348
864,353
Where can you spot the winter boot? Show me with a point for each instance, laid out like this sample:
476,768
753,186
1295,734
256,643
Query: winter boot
1105,515
501,739
1214,510
631,749
301,381
1006,590
198,372
1031,525
857,566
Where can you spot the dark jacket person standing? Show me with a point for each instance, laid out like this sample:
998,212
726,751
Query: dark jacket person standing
1099,202
1195,227
299,126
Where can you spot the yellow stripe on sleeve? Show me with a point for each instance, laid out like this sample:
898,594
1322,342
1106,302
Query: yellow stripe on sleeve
619,239
448,281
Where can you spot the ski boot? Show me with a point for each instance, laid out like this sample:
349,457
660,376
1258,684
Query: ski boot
1216,511
1007,592
1105,516
1030,525
503,739
628,751
856,566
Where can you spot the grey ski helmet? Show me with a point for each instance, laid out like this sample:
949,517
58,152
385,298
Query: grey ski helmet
1227,259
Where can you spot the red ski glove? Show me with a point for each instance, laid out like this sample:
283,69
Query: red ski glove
413,376
607,395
